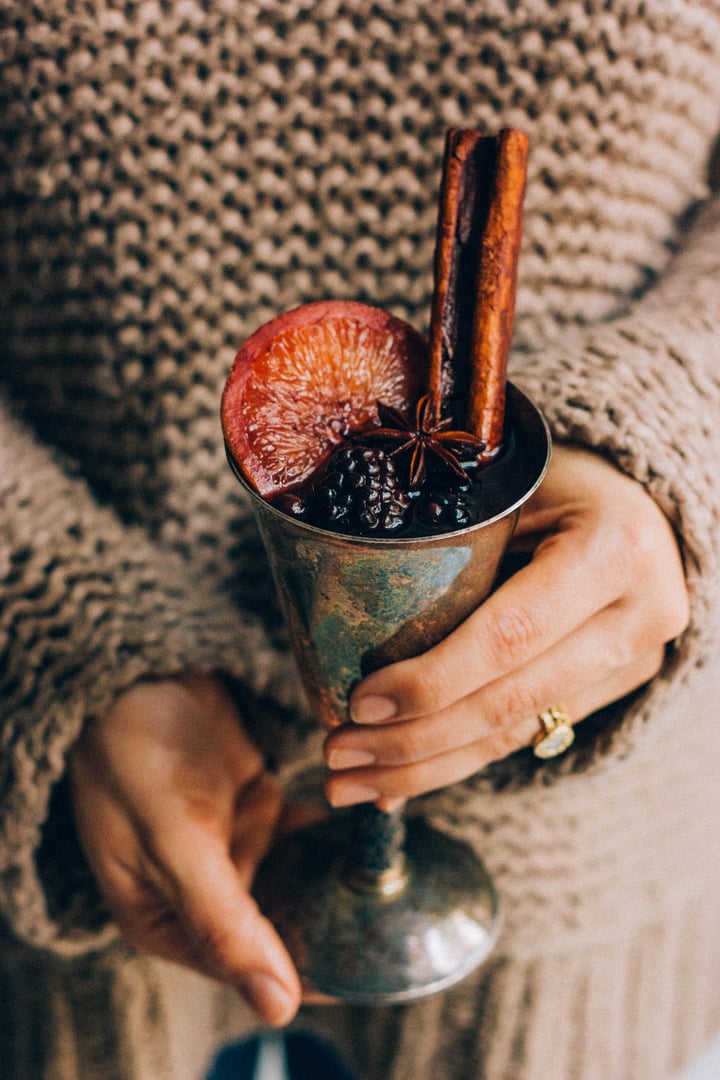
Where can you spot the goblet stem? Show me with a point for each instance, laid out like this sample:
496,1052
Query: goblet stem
376,860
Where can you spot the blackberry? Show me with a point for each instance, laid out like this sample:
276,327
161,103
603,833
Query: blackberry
445,509
358,492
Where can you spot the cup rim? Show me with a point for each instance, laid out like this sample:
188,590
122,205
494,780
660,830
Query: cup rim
398,541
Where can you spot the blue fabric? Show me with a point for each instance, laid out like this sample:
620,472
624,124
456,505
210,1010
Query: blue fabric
308,1058
236,1062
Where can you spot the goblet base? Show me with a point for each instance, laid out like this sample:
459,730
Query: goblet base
416,930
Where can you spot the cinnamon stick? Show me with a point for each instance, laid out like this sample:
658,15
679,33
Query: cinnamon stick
475,278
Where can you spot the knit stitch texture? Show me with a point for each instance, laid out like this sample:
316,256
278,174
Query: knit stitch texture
173,175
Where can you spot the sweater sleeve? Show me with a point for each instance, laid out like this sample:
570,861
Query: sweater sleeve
643,389
87,607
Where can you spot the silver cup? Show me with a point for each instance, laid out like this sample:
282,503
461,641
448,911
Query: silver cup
373,909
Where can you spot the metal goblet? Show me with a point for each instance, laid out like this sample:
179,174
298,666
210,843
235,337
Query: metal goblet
374,908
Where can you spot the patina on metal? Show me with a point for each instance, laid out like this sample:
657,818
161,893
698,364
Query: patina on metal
415,912
378,945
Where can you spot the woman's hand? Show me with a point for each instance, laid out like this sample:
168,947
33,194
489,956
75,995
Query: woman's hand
584,623
174,810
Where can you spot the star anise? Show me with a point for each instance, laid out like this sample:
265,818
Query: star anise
421,437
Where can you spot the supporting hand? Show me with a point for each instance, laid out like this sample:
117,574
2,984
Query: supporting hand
174,809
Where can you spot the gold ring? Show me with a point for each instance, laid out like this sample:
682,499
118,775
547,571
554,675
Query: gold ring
556,734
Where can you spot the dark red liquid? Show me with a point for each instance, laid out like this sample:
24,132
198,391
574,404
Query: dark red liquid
444,503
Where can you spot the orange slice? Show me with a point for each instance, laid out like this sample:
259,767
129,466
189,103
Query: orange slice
307,379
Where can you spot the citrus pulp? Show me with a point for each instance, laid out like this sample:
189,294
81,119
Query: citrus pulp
302,382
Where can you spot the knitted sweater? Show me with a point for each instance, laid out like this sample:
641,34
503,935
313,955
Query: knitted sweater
173,175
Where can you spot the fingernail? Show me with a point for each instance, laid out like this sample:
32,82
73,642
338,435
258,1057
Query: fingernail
268,997
372,709
349,758
350,794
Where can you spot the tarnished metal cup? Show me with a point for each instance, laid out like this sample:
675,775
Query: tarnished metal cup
372,912
354,604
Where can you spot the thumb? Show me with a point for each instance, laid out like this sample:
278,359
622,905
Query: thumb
230,937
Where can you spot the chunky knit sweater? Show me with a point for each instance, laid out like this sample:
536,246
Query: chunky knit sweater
174,174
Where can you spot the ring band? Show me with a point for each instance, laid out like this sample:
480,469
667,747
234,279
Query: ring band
556,734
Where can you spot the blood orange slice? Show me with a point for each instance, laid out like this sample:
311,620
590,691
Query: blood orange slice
308,378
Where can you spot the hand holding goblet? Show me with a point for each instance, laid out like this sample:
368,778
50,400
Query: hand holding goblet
587,620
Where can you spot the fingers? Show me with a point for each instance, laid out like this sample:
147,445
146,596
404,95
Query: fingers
606,645
231,937
192,908
405,767
603,540
532,611
255,826
174,811
190,904
608,657
216,930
